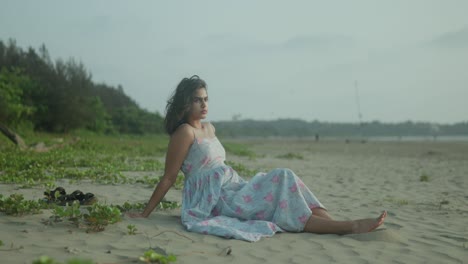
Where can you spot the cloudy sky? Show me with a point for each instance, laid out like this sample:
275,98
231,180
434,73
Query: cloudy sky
403,59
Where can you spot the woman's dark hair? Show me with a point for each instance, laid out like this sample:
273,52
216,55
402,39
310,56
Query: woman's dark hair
178,105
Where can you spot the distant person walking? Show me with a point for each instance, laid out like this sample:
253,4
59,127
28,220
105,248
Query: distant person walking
216,200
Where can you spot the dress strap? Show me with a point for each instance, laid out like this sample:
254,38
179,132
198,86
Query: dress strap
194,134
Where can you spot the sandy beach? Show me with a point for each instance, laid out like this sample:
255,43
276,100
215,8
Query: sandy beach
426,223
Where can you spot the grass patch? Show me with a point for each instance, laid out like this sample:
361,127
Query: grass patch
443,202
101,159
151,256
397,201
291,155
48,260
424,178
16,205
241,169
239,150
132,230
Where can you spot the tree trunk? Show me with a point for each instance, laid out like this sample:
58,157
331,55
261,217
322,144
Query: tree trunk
13,137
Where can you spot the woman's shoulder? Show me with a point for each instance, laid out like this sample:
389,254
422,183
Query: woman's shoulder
184,131
210,126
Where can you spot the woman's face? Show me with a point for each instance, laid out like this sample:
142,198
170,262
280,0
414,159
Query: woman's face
199,106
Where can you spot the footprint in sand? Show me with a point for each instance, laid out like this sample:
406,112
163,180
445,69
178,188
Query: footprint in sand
384,235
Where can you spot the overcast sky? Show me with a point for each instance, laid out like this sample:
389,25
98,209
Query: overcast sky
266,59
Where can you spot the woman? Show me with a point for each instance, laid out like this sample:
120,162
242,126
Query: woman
216,200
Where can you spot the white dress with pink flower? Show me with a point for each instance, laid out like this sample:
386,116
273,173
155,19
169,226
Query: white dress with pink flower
219,202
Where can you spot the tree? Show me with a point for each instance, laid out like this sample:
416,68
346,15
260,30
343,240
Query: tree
12,86
61,96
99,120
12,109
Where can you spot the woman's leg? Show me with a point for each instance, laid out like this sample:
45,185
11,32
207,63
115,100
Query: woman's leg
321,213
320,225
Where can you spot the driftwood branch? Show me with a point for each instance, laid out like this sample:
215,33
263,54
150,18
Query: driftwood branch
39,147
15,138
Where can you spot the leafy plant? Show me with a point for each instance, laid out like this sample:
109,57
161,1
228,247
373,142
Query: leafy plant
131,229
99,216
49,260
90,158
424,178
443,202
13,83
16,205
179,183
71,212
45,260
151,256
241,169
239,150
128,206
164,205
397,201
291,155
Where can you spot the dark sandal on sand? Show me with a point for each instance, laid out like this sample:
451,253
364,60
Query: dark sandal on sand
53,195
60,197
83,198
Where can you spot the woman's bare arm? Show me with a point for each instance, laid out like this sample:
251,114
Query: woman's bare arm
179,145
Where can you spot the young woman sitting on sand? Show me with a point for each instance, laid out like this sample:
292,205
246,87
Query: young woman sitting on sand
215,200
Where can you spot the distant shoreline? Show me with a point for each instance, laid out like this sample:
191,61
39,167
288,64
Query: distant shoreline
460,138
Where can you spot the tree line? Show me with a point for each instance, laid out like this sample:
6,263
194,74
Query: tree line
60,96
301,128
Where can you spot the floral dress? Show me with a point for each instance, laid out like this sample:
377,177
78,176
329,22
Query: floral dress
217,201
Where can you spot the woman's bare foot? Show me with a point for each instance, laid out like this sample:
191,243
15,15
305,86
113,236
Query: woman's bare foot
369,224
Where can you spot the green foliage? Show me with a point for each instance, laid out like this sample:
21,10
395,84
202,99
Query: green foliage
443,202
131,206
131,229
163,205
93,158
100,121
12,84
304,129
179,183
70,212
63,97
397,201
241,169
239,150
49,260
291,155
99,216
424,178
16,205
45,260
151,256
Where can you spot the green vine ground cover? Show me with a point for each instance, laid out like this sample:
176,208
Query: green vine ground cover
101,159
95,158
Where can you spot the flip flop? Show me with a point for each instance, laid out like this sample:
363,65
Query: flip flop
83,198
60,197
52,196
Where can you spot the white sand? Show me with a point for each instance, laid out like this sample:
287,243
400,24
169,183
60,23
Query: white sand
352,180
